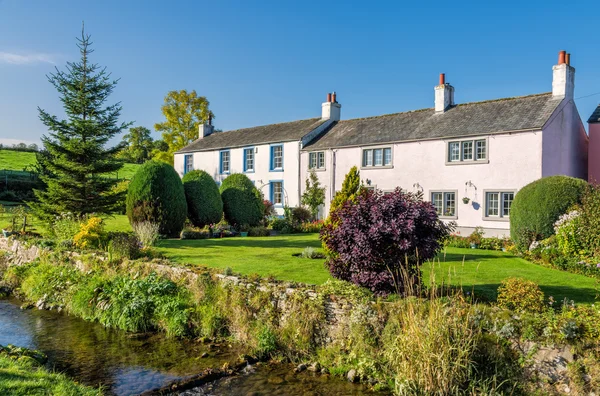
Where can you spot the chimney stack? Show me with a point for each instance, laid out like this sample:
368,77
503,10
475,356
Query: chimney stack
331,109
563,77
206,128
444,95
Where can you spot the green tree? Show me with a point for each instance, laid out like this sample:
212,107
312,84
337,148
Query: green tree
314,194
75,154
184,112
350,189
137,145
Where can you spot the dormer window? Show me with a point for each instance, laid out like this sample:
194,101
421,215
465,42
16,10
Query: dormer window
467,151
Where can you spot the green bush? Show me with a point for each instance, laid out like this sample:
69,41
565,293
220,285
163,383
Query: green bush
520,295
538,205
156,194
589,222
193,234
259,232
242,202
301,215
203,198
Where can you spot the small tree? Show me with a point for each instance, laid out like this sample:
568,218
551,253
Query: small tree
349,191
314,194
379,241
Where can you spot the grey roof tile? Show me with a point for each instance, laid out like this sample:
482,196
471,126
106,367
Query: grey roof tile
287,131
595,117
478,118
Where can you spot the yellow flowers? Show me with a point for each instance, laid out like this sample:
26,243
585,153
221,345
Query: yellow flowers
89,233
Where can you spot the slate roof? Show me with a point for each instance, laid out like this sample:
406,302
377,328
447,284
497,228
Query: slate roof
478,118
274,133
595,117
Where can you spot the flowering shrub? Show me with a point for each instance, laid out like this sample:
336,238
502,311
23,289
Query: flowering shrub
379,240
568,237
312,226
90,233
520,295
65,226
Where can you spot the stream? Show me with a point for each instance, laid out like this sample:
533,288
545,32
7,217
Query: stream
128,364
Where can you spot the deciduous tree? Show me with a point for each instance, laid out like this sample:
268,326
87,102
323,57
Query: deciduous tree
184,112
137,145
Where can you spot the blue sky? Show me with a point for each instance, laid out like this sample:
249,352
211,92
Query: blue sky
267,62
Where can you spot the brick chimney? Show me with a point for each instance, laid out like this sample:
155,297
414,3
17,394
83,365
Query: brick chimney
206,128
563,77
444,95
331,109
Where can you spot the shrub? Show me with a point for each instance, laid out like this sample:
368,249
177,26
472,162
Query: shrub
538,205
313,226
569,235
192,234
124,245
520,295
268,211
589,222
259,232
203,198
283,226
147,232
301,215
379,241
476,236
90,234
156,195
242,202
65,226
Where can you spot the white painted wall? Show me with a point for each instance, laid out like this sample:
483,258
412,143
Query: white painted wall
514,161
209,162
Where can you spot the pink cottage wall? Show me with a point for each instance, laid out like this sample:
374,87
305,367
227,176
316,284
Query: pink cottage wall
514,161
565,143
594,153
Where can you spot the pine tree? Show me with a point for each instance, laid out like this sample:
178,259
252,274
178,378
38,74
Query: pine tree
75,157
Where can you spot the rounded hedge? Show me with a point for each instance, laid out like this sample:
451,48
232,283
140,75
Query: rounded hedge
156,194
203,198
242,202
539,204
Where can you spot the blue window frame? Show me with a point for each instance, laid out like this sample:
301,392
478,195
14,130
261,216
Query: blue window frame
277,193
188,163
277,158
249,160
224,161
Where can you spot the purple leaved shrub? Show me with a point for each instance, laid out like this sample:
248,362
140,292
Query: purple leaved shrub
379,241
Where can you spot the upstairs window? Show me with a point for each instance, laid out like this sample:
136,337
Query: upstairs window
377,157
467,151
316,160
249,159
188,163
277,157
498,203
444,203
225,161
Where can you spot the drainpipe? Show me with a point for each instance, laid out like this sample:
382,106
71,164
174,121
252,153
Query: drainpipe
299,173
333,163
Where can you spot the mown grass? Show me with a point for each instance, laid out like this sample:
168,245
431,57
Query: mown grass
22,378
20,160
478,271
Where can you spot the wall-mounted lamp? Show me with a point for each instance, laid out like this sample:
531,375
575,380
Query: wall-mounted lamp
368,182
418,187
470,184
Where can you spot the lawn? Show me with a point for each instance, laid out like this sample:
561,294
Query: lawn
19,160
478,271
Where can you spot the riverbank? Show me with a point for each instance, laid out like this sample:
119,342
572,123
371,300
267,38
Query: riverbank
22,374
402,345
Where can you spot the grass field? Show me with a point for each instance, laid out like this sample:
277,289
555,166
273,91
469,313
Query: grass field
479,271
20,160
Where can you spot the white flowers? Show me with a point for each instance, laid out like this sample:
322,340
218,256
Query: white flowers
566,219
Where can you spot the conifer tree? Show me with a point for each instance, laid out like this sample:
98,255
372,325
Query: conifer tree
76,159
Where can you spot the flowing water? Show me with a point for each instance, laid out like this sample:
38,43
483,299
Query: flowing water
128,364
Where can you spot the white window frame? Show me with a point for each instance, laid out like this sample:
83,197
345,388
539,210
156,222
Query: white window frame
457,156
444,194
501,200
369,155
316,160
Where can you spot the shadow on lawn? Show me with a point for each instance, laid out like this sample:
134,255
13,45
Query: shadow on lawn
288,242
449,257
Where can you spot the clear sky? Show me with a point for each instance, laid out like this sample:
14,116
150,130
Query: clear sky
265,62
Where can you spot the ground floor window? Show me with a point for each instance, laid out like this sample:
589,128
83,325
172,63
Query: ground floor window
444,203
277,192
498,203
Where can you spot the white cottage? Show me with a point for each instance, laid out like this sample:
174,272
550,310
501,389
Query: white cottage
468,159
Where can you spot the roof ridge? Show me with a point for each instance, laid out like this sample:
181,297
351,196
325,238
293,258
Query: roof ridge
458,105
265,125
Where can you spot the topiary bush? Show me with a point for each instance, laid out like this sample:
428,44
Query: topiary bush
203,198
379,241
242,202
156,195
539,204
